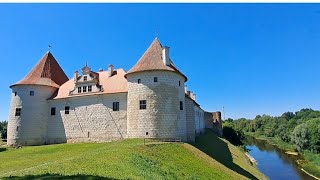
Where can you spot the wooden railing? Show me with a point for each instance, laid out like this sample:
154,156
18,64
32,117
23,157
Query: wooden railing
151,140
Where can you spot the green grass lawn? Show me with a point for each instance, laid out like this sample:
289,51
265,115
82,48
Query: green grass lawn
129,159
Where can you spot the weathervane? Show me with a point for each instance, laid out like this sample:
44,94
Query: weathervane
49,47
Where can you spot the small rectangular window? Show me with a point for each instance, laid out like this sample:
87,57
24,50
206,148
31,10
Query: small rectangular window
66,109
15,93
89,88
179,83
115,106
139,81
31,93
53,111
181,105
17,128
85,78
79,89
143,104
84,89
155,79
18,112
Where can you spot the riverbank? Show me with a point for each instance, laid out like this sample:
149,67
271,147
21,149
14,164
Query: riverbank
310,162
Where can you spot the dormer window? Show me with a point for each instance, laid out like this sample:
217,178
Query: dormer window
79,89
84,88
85,78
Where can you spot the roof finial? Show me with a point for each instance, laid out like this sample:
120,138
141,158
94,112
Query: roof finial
156,33
86,63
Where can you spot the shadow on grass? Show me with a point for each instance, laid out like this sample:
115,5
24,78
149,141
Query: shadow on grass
3,149
57,176
210,144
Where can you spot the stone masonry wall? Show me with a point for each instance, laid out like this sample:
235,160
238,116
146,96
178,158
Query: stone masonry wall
213,121
190,115
91,118
163,117
30,128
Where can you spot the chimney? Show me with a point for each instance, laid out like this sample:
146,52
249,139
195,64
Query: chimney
100,70
166,55
76,75
185,89
194,97
110,71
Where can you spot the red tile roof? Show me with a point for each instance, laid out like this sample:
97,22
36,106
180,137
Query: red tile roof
47,72
117,83
152,60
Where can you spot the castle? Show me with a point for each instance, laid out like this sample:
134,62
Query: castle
149,101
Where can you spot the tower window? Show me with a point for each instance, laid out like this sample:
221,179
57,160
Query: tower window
84,88
79,89
66,109
139,81
85,78
89,88
181,105
179,83
31,93
155,79
15,93
143,104
18,112
115,106
53,111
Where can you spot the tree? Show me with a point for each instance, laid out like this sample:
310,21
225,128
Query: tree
288,115
306,136
3,129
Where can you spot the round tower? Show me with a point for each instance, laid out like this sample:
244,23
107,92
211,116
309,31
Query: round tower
29,111
156,97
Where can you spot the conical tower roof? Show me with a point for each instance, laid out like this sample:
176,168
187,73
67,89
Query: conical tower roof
47,73
152,60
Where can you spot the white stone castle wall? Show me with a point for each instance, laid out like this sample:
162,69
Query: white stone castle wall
199,120
190,117
163,117
91,118
31,127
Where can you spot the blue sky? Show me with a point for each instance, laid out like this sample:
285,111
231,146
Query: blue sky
250,58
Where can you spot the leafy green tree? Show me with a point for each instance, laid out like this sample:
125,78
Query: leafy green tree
3,129
306,136
288,115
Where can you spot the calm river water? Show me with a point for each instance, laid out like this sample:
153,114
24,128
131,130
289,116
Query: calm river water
274,162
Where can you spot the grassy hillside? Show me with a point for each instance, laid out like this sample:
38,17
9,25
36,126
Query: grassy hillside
129,159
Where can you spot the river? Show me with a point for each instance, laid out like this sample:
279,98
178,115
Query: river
274,162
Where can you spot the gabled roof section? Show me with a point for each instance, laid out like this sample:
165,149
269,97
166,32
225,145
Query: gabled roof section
152,60
47,73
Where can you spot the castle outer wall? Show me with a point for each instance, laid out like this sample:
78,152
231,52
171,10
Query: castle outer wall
90,118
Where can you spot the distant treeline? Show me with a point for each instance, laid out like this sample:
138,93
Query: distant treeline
3,129
300,129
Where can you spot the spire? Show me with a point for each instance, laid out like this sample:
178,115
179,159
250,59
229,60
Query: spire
47,72
152,59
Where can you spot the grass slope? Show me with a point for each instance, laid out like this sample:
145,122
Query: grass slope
129,159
